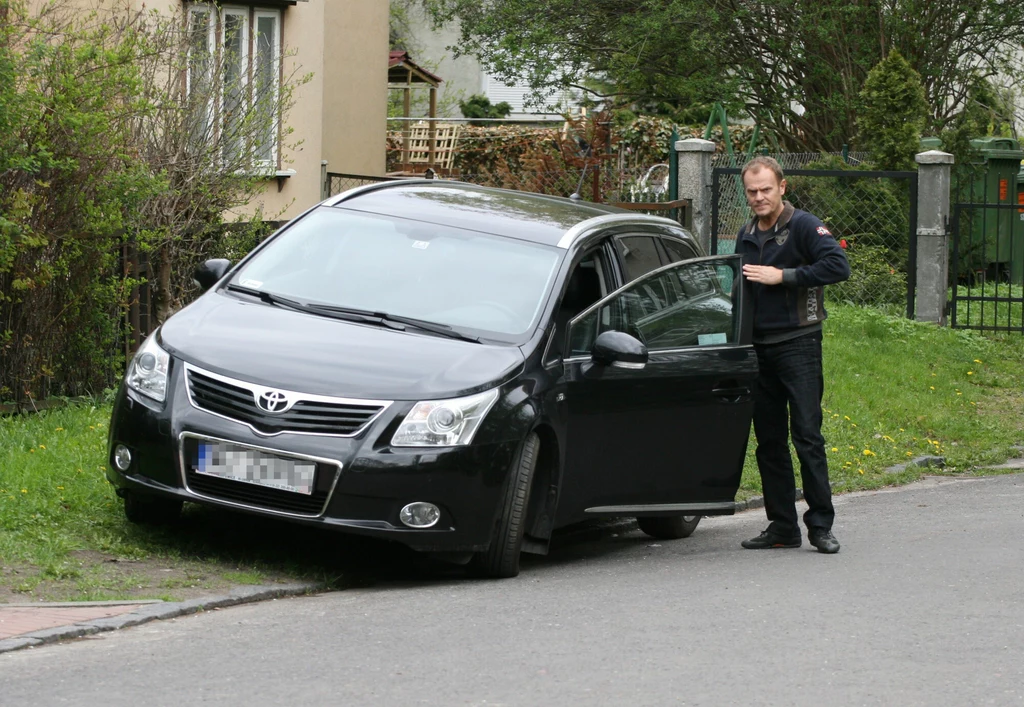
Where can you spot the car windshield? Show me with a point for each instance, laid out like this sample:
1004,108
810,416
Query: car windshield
463,279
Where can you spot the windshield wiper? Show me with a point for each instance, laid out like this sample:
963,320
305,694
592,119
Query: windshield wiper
278,300
434,327
351,314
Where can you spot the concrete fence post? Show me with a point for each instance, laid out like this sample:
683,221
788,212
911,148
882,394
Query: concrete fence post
933,184
693,156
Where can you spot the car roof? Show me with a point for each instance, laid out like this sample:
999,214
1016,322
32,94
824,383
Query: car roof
537,218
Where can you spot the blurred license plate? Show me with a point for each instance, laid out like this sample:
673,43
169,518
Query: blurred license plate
253,466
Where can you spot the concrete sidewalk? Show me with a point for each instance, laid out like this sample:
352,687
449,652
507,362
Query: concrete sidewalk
34,624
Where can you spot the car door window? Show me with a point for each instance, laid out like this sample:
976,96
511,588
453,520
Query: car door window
683,305
678,250
639,255
584,286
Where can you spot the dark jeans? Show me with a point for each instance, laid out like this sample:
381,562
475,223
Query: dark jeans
790,376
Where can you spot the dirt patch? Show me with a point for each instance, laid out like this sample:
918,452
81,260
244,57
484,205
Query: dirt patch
91,575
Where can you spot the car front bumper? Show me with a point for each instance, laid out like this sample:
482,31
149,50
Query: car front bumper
361,483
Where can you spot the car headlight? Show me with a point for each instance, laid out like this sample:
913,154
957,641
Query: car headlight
147,373
444,423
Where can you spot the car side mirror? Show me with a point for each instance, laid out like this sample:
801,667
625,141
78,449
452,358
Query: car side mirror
619,350
207,274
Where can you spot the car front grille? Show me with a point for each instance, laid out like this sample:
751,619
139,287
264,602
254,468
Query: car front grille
307,414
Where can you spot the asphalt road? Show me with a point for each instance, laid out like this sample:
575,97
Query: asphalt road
924,605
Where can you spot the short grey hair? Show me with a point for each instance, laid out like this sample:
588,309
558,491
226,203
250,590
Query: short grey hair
762,162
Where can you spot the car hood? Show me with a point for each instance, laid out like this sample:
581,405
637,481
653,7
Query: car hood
292,350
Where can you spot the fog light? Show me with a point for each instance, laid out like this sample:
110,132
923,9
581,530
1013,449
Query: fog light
122,457
420,515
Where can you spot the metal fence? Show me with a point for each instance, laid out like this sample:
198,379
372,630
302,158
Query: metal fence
338,183
987,267
871,213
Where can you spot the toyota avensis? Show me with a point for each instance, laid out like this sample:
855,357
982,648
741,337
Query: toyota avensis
459,369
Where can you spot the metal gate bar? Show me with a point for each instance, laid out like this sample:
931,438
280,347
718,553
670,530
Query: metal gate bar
986,269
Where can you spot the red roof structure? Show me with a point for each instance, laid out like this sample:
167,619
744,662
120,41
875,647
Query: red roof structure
403,70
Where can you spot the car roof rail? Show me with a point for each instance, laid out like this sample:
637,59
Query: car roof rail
375,186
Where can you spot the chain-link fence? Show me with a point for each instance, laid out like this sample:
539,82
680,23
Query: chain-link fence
870,213
338,183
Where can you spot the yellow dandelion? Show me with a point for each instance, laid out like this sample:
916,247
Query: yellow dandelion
92,427
42,446
888,438
973,403
868,453
60,488
836,415
910,454
851,447
59,429
970,373
902,430
959,393
835,449
24,490
861,471
846,417
977,360
32,451
853,424
931,387
934,374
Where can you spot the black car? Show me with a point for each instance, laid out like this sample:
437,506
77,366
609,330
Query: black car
456,368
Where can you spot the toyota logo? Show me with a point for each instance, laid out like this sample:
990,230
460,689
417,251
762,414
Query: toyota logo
272,401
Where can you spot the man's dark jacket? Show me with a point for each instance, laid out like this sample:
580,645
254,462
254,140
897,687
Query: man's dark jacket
809,257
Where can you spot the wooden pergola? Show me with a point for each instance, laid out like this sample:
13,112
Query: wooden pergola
406,75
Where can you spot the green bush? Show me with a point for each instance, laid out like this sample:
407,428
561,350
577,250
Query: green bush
893,113
876,276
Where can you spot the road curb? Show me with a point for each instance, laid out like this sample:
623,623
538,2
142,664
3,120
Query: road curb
155,611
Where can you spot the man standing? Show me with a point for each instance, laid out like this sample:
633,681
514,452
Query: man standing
788,255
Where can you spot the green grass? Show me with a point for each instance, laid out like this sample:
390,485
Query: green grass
894,390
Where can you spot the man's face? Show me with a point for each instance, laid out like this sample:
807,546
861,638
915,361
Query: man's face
764,192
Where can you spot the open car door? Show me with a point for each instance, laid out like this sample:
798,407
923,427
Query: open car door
658,421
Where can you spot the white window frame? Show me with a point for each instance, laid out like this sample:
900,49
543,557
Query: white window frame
275,46
249,15
211,30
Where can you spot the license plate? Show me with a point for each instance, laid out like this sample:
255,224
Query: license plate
254,466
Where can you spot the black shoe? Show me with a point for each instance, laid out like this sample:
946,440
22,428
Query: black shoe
769,539
824,540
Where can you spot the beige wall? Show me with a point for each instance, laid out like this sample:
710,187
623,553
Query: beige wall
355,93
340,114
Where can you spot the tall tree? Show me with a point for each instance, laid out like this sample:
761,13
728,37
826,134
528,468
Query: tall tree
795,66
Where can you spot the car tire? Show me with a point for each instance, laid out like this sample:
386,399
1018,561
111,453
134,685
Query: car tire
501,559
669,527
150,510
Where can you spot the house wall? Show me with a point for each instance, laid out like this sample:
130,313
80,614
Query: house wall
355,92
463,76
339,115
